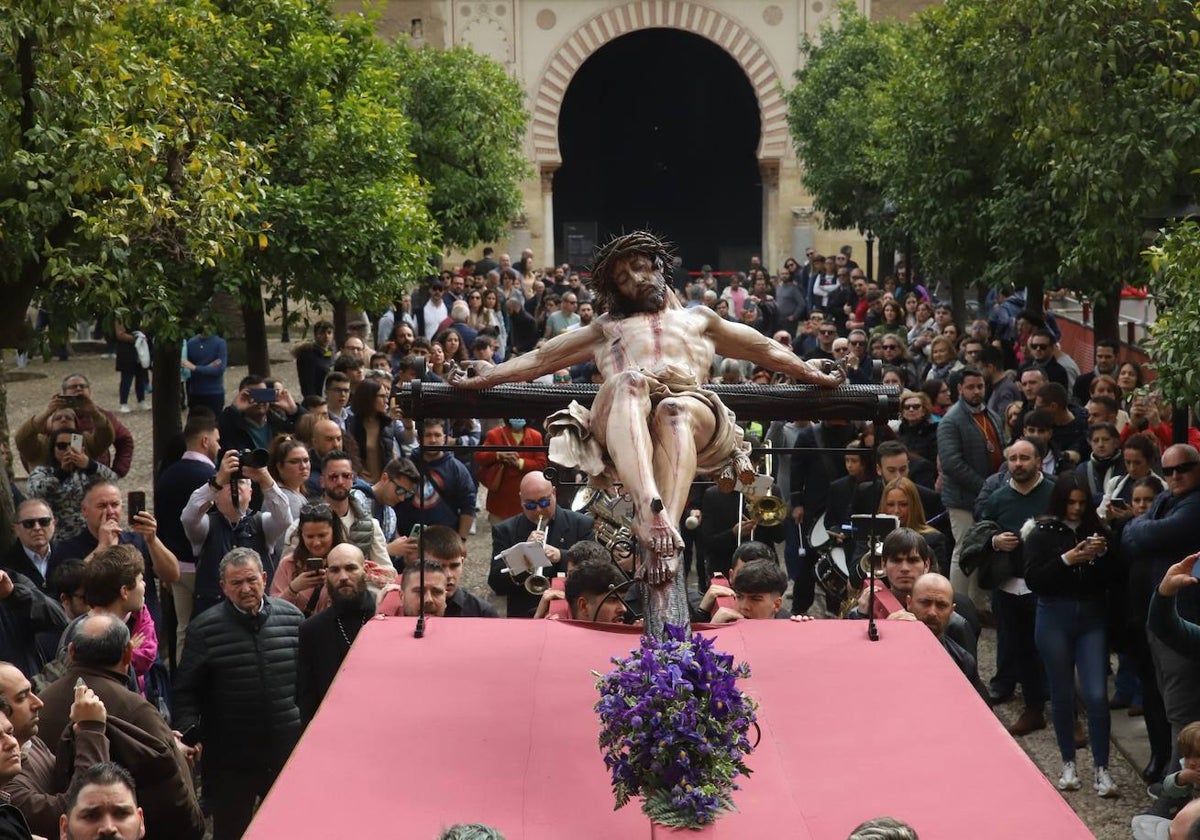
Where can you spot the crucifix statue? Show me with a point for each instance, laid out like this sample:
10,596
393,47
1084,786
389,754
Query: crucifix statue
652,427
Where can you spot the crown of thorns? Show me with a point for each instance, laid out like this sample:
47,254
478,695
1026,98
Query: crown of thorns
658,251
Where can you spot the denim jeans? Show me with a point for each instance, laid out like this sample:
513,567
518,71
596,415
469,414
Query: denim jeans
1070,636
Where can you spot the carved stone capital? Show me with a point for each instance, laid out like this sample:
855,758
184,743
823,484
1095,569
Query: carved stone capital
547,170
803,215
769,169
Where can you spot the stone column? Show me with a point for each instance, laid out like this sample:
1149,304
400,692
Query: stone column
769,170
803,232
547,172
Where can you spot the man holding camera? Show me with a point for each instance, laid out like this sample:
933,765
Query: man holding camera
218,518
258,413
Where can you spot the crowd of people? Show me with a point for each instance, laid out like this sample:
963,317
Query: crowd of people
1032,492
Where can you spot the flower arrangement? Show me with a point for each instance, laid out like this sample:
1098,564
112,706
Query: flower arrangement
673,727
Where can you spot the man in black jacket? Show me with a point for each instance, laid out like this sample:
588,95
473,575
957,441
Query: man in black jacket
541,520
25,611
30,554
237,680
325,639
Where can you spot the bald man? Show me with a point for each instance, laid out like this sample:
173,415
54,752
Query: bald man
932,604
540,520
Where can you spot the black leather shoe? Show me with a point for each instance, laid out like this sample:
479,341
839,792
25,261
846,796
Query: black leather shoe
995,698
1155,769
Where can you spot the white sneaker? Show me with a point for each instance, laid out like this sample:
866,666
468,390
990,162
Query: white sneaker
124,409
145,405
1106,788
1069,780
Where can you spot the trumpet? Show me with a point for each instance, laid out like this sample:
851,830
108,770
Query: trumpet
865,566
537,583
768,510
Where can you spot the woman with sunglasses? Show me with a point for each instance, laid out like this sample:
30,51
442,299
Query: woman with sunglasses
300,578
62,480
918,426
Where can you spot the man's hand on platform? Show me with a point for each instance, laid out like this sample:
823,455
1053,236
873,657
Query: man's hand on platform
801,618
543,607
726,616
901,615
715,591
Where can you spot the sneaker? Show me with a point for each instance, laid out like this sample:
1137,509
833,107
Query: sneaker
144,405
1106,788
124,409
1069,780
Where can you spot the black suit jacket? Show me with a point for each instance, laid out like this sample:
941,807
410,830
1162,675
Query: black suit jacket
566,529
16,560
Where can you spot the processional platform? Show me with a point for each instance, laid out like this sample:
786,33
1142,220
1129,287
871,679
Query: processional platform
490,720
533,401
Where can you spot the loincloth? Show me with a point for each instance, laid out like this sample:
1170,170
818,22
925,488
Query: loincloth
572,443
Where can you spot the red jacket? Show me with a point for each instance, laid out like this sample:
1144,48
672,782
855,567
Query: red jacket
505,500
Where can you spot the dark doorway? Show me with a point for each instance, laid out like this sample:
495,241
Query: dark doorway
659,130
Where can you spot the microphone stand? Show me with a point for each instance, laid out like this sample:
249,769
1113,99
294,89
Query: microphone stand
872,630
419,630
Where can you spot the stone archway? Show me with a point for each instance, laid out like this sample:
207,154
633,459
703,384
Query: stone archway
684,15
649,14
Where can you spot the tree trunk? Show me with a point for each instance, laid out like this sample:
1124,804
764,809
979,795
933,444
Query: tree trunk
168,425
958,299
1106,317
339,322
7,514
1035,292
255,320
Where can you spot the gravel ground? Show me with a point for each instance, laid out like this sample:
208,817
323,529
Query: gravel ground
30,388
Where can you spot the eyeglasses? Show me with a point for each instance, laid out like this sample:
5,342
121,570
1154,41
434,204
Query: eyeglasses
858,343
1039,346
828,332
1183,469
62,445
37,522
540,503
403,492
318,512
890,346
913,407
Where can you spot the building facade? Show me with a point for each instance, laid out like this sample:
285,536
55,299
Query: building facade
661,113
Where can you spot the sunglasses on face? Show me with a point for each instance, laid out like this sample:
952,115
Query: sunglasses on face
912,407
540,503
1182,469
39,522
1039,346
403,492
62,445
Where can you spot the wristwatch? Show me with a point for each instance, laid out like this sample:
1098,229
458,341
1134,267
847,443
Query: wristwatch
212,482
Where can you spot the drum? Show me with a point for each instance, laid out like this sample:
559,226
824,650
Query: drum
831,570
